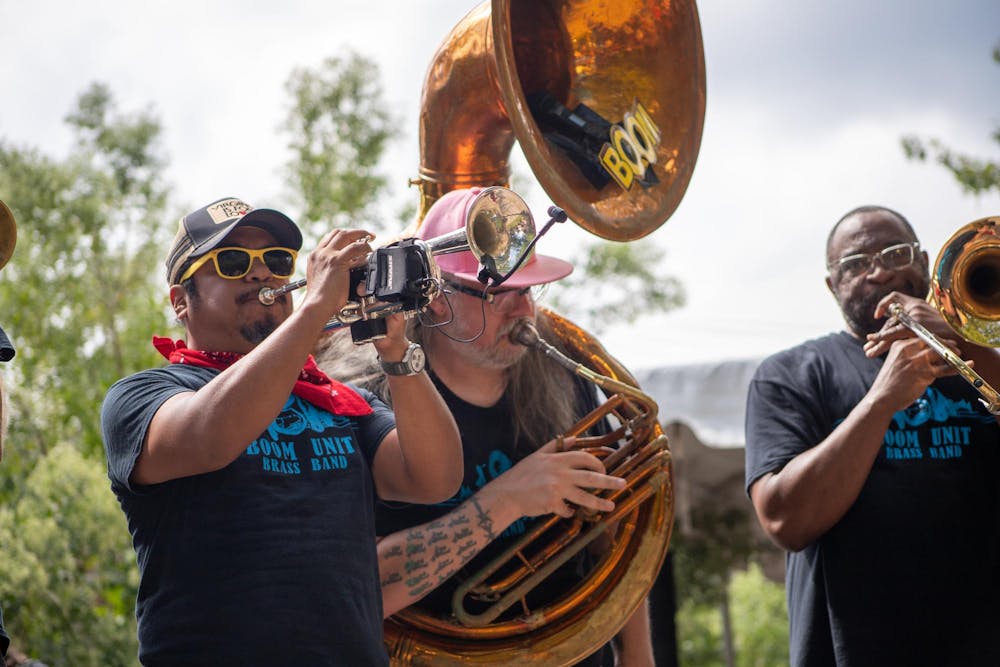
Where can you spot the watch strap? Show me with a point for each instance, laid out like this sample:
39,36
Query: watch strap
404,366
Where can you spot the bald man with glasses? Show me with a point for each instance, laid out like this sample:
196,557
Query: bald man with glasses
247,475
875,466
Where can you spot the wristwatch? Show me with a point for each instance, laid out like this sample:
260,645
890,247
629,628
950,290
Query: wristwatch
412,363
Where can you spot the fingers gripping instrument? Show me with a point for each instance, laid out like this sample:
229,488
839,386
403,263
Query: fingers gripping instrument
965,288
641,458
403,277
545,629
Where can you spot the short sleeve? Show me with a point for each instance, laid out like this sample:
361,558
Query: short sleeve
783,416
128,409
376,426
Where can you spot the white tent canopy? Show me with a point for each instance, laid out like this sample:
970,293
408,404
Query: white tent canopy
702,410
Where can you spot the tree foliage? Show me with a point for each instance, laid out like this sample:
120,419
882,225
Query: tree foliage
720,586
81,297
339,127
616,282
704,557
68,582
975,175
759,622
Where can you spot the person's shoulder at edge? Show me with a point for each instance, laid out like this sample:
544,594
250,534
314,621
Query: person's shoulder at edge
798,356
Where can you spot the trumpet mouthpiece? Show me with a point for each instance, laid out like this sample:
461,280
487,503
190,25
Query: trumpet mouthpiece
266,296
524,333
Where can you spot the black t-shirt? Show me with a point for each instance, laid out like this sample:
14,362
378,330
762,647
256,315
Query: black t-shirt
4,639
911,574
270,560
488,452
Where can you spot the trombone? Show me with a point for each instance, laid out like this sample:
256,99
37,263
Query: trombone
499,229
965,288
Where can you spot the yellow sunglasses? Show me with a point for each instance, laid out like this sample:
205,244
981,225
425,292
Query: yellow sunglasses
233,263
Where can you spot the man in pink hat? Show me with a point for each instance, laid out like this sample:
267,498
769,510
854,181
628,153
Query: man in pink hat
509,402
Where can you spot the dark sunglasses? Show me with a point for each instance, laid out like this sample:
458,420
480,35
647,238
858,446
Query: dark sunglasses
233,263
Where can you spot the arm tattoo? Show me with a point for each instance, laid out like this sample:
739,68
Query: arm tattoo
485,521
449,542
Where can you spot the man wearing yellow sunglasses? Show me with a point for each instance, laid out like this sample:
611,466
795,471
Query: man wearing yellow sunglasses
246,474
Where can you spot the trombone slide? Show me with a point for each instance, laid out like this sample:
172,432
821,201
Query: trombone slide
988,395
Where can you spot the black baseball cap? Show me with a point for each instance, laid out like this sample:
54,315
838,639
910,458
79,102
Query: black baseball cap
206,228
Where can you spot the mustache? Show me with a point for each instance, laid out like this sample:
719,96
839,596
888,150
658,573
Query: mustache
506,329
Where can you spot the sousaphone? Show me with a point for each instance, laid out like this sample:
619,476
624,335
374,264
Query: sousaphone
607,102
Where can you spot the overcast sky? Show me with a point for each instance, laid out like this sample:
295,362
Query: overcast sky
806,103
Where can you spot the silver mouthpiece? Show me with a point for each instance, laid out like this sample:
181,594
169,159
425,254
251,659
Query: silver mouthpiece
524,333
268,295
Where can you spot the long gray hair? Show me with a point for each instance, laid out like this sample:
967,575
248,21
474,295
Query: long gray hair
542,394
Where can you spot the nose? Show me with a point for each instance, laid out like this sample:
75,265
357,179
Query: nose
879,273
258,270
519,305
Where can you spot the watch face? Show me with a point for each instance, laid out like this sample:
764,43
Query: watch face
417,359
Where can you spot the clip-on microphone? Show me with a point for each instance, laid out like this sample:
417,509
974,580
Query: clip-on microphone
489,269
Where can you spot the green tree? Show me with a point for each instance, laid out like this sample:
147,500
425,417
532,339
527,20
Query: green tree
81,298
759,625
616,282
68,582
339,130
717,621
760,619
975,175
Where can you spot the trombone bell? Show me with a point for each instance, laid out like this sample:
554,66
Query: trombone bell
965,282
965,288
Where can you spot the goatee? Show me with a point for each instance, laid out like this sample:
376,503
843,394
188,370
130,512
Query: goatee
860,314
256,332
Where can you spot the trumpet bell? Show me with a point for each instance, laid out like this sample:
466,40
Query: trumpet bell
500,228
965,282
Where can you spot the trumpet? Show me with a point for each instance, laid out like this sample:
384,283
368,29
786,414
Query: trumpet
965,288
403,276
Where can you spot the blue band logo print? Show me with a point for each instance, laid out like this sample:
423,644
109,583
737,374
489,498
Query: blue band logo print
922,429
330,440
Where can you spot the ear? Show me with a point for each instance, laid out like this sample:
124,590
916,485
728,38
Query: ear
439,307
179,302
829,285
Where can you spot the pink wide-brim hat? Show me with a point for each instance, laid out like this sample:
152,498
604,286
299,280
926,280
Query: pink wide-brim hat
449,213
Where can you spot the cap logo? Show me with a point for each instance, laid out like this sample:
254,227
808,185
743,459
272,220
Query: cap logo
227,209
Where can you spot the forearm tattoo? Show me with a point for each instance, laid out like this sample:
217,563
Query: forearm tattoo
484,519
432,553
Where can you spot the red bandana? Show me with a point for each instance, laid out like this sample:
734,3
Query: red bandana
313,384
